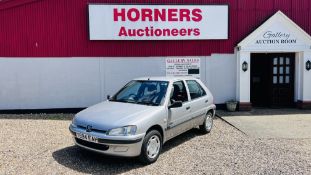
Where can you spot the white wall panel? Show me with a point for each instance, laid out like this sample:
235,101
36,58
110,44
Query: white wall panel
306,78
221,76
40,83
243,80
48,83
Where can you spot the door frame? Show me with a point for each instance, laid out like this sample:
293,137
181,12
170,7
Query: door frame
269,87
258,42
243,78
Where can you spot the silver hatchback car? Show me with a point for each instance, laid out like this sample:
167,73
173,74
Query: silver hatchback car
143,115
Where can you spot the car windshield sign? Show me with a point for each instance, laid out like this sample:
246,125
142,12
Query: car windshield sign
144,92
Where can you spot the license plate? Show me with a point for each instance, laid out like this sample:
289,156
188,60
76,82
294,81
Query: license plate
87,137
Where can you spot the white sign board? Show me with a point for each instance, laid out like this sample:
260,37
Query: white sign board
158,22
183,67
277,34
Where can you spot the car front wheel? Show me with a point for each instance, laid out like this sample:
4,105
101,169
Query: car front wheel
207,126
151,147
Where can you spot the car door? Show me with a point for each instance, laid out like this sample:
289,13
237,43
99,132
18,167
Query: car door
198,101
178,117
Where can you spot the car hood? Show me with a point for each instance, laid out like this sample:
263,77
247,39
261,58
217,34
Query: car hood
108,115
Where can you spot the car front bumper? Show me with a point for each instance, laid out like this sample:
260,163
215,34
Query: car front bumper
125,146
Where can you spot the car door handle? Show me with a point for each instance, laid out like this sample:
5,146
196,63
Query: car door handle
187,108
206,101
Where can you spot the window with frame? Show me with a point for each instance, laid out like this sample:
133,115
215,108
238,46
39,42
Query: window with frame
180,92
195,89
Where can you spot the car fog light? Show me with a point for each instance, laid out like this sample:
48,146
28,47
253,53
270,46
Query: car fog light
120,149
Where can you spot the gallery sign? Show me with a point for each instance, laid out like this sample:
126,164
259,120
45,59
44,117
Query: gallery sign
183,67
277,35
158,22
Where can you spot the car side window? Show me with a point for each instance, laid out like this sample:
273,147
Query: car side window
195,89
180,92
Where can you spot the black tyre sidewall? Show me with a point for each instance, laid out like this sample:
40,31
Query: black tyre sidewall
143,155
203,128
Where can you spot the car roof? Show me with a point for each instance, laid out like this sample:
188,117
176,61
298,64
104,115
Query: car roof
169,78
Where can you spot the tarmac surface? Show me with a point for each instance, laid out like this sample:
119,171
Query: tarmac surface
271,123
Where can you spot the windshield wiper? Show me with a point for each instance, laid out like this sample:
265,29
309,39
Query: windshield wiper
123,101
148,103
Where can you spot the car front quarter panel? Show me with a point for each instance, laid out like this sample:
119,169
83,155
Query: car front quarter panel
157,117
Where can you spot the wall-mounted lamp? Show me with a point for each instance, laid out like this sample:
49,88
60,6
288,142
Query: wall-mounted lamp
308,65
244,66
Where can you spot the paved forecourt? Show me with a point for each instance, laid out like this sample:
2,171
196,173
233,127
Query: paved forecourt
271,123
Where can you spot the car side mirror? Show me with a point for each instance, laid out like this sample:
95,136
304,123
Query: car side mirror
175,104
108,97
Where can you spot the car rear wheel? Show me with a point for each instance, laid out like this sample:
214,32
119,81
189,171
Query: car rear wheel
151,147
207,126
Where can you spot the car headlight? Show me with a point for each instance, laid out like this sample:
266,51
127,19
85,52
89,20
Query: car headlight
123,131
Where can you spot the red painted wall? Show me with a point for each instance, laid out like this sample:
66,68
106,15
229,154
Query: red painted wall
59,28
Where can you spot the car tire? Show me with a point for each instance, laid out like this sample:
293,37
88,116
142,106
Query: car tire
151,147
207,125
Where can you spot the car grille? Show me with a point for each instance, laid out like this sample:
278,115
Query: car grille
92,145
93,129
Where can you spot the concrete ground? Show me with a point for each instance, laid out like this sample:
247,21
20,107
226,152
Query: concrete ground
41,144
271,123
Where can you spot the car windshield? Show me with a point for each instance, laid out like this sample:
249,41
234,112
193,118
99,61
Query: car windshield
146,92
